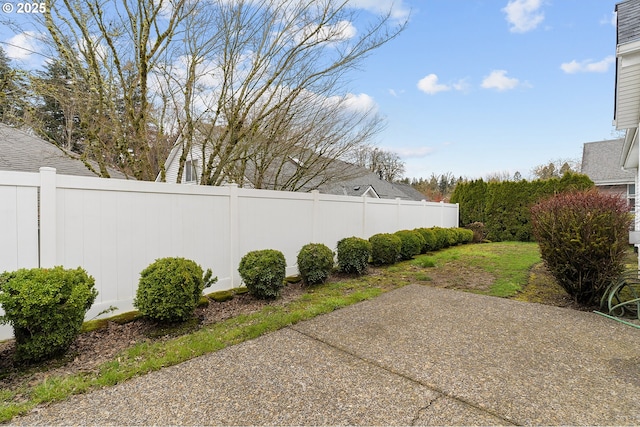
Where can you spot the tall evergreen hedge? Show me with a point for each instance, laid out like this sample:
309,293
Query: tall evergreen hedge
471,196
504,207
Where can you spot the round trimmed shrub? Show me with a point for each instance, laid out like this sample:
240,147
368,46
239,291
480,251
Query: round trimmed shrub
464,235
412,243
263,272
353,255
315,262
46,308
385,248
452,236
170,288
583,239
429,236
442,237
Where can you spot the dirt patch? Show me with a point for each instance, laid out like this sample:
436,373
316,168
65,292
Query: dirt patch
461,277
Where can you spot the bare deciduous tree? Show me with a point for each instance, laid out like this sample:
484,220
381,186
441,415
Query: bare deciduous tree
387,164
265,99
556,168
256,90
112,48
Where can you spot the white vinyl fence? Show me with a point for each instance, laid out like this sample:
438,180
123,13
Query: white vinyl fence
115,228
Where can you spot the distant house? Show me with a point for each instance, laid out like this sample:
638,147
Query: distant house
22,152
369,184
626,114
601,163
358,181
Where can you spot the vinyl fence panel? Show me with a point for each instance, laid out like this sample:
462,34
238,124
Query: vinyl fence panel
18,225
116,228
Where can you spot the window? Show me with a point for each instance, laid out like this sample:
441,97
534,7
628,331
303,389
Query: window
190,170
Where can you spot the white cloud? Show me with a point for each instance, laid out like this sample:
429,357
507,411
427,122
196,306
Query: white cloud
462,85
610,19
399,11
22,46
360,102
498,80
414,152
523,15
588,66
342,31
430,85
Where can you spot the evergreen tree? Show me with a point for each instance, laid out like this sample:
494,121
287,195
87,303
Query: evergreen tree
57,111
13,99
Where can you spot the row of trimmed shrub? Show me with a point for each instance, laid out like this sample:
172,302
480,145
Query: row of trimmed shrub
170,288
46,307
263,271
405,244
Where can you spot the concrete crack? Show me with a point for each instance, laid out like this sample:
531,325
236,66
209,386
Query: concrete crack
442,394
420,411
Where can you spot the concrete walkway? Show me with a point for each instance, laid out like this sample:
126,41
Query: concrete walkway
414,356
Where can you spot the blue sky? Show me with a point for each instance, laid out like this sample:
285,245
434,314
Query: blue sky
475,87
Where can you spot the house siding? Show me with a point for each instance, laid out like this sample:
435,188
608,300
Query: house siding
614,190
173,166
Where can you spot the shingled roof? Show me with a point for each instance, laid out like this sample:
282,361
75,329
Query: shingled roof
601,163
628,13
353,180
22,152
371,181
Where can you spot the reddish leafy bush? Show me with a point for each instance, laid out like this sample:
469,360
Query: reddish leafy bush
479,231
583,237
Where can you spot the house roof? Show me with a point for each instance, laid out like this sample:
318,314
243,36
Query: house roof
384,189
628,16
601,163
22,152
355,181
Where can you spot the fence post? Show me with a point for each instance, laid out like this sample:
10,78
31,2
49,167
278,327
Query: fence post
315,217
441,213
48,221
234,233
364,217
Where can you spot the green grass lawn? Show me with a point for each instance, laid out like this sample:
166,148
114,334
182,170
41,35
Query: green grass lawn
508,263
